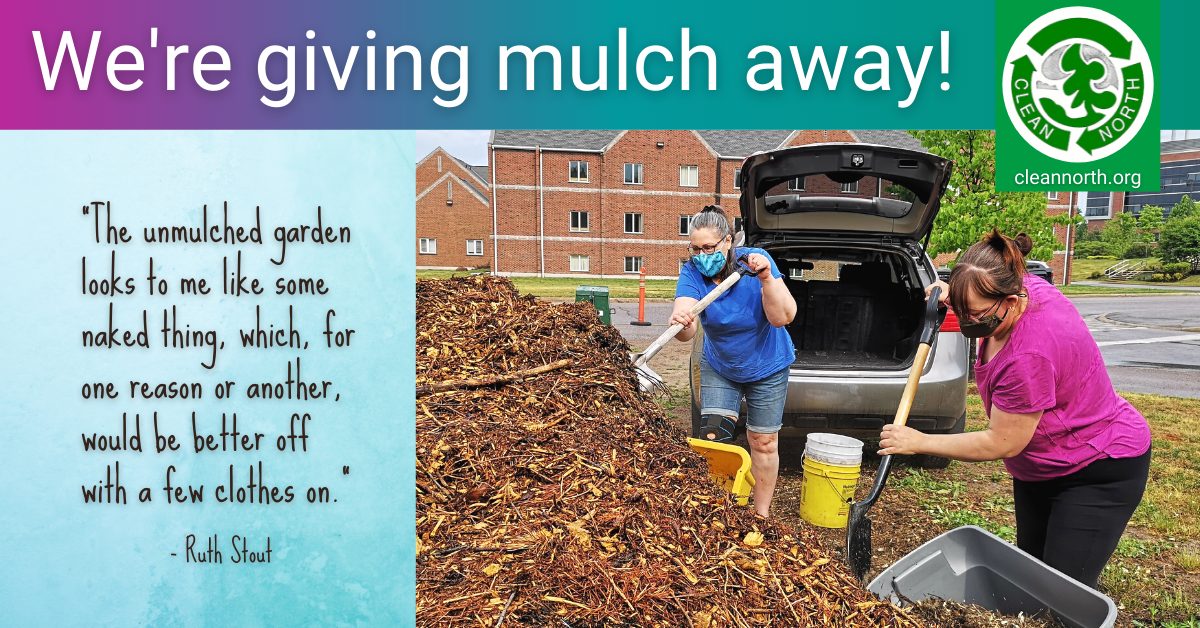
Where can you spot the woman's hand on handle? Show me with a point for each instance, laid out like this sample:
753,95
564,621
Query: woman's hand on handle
945,298
900,439
684,318
759,264
682,315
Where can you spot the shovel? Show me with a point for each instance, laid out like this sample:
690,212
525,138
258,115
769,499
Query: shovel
640,362
858,527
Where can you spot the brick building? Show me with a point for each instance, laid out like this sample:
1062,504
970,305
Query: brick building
610,203
1179,160
454,214
1180,171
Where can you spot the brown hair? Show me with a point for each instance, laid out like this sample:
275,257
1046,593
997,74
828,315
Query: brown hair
994,268
714,217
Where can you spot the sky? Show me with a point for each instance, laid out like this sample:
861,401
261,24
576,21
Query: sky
469,146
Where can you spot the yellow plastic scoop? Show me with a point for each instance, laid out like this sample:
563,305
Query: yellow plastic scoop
729,466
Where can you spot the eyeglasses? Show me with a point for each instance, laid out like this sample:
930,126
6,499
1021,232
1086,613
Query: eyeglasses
972,317
707,249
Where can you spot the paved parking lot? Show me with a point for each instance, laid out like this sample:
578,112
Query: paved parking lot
1151,344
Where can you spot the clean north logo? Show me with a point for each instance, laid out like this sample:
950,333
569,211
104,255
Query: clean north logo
1078,84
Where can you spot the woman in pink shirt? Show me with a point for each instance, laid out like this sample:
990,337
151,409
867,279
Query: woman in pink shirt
1079,454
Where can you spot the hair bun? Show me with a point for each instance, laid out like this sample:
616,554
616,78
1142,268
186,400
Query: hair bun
996,240
1024,243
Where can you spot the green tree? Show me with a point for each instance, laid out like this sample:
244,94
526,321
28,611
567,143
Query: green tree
1120,232
971,206
1185,208
1180,240
1150,221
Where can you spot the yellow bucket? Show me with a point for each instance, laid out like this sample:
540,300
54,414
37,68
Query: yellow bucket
828,487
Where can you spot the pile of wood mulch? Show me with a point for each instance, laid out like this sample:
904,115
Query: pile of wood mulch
568,498
949,614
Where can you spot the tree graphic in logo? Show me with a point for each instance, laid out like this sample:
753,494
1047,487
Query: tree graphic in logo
1078,84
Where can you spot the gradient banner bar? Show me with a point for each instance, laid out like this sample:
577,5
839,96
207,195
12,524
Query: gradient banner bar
956,88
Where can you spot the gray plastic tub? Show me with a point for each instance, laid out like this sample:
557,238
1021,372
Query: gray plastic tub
971,565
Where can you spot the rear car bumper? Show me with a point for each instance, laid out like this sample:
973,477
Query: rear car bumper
861,403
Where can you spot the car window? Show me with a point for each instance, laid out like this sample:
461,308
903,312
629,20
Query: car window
821,270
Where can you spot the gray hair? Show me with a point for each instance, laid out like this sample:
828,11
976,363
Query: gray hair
712,217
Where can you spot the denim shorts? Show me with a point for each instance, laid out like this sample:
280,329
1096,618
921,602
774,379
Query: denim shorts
764,398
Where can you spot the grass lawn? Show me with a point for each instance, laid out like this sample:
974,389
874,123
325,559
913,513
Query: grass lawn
1076,289
565,286
1082,269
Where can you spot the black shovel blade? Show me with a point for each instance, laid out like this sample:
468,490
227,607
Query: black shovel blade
858,541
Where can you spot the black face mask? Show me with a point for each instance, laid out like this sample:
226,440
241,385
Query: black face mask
985,325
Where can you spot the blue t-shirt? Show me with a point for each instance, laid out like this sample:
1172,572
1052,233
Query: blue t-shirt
739,342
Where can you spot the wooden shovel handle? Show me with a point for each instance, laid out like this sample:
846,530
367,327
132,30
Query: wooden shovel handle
910,388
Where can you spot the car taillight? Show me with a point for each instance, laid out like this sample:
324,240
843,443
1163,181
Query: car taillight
950,323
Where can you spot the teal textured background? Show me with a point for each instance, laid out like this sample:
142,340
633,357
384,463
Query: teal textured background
65,563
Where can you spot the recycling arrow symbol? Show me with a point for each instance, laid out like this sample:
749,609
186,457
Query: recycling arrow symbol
1083,28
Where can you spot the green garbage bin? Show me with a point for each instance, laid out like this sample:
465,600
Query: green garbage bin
598,297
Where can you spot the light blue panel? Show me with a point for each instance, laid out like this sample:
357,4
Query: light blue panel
343,563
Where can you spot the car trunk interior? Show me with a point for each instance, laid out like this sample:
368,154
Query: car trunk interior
856,308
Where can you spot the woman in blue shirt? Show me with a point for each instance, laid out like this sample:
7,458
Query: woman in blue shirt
747,351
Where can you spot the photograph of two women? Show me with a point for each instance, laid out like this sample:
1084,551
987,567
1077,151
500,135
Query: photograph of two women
742,378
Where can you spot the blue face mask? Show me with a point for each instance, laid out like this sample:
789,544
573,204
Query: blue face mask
709,264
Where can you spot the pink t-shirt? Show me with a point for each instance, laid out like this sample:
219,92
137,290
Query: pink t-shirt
1051,363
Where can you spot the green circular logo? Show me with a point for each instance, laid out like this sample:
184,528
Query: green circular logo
1078,84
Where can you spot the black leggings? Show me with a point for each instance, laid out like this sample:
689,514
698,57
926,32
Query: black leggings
1073,523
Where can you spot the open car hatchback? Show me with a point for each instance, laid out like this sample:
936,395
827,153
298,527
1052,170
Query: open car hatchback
847,225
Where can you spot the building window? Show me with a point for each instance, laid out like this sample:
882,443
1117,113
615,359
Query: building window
796,185
685,225
580,264
449,190
439,163
1052,196
633,264
579,172
737,224
428,246
850,188
474,247
737,178
1099,205
795,273
689,176
633,223
579,221
633,174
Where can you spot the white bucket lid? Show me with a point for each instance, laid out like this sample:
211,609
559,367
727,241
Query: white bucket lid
834,449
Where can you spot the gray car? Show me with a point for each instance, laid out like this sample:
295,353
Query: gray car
847,224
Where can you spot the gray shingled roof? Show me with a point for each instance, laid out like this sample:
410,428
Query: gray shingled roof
471,184
479,171
743,143
1179,146
727,143
586,140
895,139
